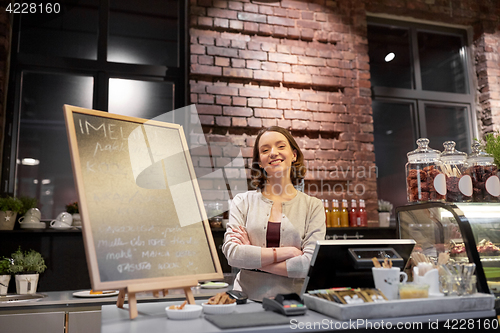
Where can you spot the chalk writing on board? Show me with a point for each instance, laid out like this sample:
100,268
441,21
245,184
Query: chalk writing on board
141,226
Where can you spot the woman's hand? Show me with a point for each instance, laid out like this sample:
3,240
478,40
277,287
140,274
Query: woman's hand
240,235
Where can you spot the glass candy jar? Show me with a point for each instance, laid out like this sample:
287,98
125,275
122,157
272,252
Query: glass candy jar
485,182
424,180
454,167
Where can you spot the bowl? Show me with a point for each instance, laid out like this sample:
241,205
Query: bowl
190,311
218,308
412,290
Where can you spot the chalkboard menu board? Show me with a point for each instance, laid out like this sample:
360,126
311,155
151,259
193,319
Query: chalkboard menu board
143,218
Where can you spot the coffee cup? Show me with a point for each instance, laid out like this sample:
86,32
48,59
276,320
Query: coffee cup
387,280
29,219
65,217
34,212
58,224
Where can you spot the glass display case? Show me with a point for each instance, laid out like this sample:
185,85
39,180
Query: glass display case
469,232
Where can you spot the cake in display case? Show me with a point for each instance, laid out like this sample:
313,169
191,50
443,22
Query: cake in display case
468,232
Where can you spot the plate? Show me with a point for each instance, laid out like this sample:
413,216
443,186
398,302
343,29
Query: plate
190,311
214,285
86,293
62,228
40,225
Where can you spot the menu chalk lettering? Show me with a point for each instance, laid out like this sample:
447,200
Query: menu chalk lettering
142,214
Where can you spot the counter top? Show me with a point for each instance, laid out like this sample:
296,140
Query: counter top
152,319
66,298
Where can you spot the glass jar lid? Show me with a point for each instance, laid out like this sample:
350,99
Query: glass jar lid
451,155
479,156
423,153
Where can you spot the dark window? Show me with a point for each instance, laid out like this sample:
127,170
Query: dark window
421,90
125,57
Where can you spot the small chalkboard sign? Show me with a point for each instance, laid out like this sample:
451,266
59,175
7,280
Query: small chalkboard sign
143,220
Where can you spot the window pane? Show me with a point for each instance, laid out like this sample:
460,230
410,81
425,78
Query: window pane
446,123
143,99
144,32
394,138
42,137
70,33
441,63
395,73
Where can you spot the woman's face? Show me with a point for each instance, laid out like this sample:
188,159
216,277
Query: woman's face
275,154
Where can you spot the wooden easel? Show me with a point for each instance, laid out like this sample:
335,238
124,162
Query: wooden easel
156,288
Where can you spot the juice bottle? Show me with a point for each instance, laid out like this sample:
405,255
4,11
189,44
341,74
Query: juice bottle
353,214
344,214
327,212
362,215
335,214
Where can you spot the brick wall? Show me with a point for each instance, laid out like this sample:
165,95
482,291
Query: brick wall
304,65
297,64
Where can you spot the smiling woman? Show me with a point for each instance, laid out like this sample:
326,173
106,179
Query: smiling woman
272,231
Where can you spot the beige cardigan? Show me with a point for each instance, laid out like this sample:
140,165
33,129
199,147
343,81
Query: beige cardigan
302,224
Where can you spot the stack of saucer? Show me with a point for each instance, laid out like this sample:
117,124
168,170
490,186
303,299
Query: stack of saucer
33,225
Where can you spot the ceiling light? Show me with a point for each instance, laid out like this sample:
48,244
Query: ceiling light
390,57
30,161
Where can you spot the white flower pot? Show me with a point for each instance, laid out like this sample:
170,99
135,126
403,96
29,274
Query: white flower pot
77,220
7,220
384,219
4,284
26,283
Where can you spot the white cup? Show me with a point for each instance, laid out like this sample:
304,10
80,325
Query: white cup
29,219
34,212
387,280
62,220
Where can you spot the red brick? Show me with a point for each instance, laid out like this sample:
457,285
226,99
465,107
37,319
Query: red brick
326,81
197,87
306,34
265,29
284,68
239,101
280,11
281,21
221,23
207,70
283,58
238,63
222,13
313,97
250,92
251,27
284,104
206,60
235,5
206,120
279,31
284,94
222,51
209,109
205,99
307,15
269,66
268,76
222,42
197,49
255,102
293,33
237,111
298,115
242,16
236,25
254,122
266,10
223,121
269,122
235,72
298,105
297,78
205,22
294,4
193,98
268,113
255,55
205,40
269,103
292,13
224,62
223,100
238,44
285,123
222,90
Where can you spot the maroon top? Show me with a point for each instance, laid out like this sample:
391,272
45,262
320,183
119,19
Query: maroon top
273,234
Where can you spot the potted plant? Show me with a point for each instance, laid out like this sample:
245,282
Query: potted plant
27,266
5,265
28,203
73,209
492,146
9,208
384,213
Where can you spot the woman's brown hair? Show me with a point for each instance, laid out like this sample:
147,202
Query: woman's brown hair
297,171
